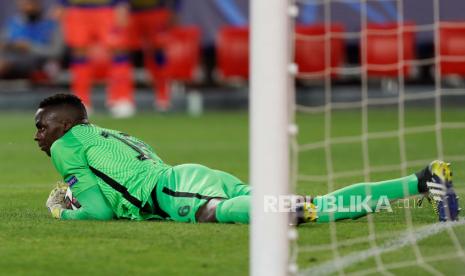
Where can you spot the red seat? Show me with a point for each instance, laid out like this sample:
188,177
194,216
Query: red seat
182,46
310,49
381,44
183,52
452,46
232,52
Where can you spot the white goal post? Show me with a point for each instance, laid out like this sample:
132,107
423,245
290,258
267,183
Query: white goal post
275,151
270,87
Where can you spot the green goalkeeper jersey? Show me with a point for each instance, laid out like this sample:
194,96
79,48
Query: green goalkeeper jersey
124,168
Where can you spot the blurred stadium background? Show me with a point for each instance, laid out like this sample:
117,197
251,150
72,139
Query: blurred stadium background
208,59
215,64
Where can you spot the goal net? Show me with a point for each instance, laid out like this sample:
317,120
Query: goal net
379,94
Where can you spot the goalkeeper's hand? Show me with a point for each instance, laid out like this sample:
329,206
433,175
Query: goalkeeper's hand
56,200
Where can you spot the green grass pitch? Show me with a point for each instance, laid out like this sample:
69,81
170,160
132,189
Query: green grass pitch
32,243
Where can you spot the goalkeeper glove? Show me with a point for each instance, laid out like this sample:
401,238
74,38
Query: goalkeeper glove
56,200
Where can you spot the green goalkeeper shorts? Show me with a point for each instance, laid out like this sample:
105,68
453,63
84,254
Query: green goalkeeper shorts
184,188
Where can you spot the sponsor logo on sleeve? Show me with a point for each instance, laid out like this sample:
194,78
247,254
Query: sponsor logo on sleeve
71,181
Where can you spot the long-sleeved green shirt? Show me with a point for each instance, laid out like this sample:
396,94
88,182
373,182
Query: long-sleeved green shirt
106,168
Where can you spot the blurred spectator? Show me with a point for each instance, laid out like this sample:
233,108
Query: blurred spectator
88,24
29,41
148,24
232,12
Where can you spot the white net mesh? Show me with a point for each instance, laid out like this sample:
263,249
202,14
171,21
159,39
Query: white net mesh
373,119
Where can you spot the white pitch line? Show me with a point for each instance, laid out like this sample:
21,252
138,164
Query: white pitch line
391,245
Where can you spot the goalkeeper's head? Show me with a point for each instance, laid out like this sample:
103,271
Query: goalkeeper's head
55,116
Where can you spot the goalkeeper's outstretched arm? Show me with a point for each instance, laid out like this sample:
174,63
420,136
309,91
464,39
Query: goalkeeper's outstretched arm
94,206
71,163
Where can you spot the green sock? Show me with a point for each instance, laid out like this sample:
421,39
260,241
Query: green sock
234,210
392,189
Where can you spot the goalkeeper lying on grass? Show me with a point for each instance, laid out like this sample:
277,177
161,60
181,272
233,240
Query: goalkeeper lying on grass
114,175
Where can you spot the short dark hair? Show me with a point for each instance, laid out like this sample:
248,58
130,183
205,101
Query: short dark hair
62,99
68,101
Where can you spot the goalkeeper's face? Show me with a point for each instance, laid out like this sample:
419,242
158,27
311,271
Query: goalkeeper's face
50,127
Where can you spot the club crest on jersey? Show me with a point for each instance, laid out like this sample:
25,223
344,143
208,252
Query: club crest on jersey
73,180
184,211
